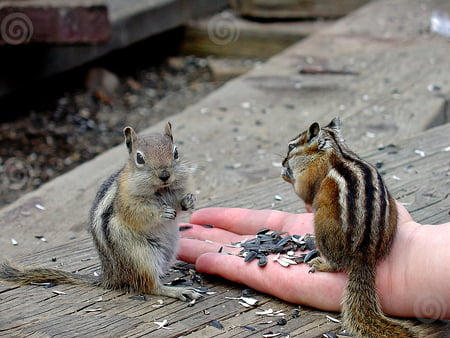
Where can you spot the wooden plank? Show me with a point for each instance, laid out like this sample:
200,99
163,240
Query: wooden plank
226,34
54,21
288,9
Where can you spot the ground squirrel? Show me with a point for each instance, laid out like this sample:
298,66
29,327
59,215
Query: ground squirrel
355,221
132,222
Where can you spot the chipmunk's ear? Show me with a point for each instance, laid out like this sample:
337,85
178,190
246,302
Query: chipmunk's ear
168,130
130,138
335,124
313,131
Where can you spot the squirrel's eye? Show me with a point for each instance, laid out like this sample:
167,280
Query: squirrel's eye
291,147
140,159
175,153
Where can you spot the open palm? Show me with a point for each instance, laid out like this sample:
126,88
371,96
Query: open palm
294,284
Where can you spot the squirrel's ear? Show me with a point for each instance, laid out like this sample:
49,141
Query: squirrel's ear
130,138
313,131
168,130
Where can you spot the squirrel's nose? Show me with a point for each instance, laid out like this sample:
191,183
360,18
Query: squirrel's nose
164,175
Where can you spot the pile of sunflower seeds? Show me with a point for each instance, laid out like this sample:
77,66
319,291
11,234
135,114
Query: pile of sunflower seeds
285,246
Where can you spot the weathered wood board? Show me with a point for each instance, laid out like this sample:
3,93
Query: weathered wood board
416,171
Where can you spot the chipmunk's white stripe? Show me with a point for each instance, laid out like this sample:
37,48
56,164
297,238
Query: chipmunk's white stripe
342,185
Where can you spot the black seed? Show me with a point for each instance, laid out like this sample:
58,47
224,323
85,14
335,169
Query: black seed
250,256
216,324
309,242
262,260
295,314
247,292
330,335
281,321
311,255
140,297
49,285
263,231
185,227
207,226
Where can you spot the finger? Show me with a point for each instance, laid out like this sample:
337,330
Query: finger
212,234
293,284
246,221
190,249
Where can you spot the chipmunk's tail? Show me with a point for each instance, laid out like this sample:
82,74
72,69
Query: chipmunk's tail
23,276
361,309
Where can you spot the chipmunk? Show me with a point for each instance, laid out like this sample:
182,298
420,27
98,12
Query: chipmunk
132,222
355,221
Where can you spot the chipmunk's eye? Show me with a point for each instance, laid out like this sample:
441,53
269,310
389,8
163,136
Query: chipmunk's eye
140,159
175,153
291,146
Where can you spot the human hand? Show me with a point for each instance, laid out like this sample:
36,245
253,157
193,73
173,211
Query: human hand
294,284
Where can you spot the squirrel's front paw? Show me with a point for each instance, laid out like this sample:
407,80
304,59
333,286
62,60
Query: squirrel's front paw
188,201
169,213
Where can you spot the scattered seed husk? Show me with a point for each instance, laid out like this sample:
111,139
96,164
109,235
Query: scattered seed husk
275,334
14,242
330,335
295,313
94,310
249,328
249,300
162,325
335,320
59,292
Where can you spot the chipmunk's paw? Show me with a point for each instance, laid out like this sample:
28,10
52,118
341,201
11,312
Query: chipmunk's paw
184,294
188,201
169,213
319,264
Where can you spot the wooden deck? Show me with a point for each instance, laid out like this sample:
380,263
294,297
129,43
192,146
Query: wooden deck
416,171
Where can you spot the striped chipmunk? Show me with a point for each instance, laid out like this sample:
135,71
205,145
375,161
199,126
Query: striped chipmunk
355,221
133,222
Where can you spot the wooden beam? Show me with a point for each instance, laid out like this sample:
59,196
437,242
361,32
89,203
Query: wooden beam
54,22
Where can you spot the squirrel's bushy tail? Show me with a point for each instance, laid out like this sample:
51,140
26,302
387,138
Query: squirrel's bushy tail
361,309
23,276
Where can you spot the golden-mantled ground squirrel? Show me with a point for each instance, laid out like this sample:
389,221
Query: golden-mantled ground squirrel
132,222
355,221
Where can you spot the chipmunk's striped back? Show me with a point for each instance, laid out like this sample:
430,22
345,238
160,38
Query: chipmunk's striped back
366,213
